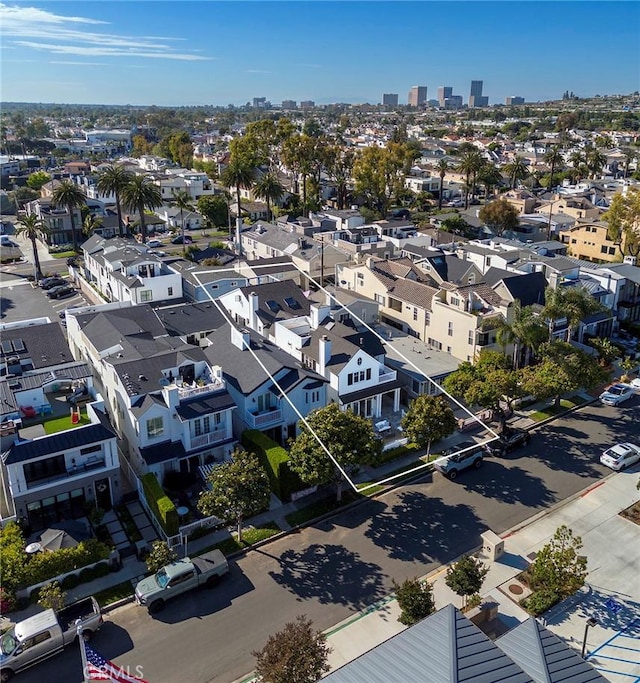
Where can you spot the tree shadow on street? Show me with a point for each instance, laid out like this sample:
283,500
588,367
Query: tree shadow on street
422,528
6,305
330,574
509,485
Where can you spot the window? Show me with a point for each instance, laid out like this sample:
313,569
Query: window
604,250
197,428
170,291
455,301
415,313
146,295
450,329
206,424
471,337
448,349
155,427
379,299
90,449
312,396
427,317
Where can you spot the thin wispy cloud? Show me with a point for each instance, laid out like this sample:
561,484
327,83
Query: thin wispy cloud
257,71
81,63
310,66
68,35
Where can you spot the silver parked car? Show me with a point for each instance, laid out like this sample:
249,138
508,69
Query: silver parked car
616,394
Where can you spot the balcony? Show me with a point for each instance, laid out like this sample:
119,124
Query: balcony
186,391
264,419
208,439
75,471
386,375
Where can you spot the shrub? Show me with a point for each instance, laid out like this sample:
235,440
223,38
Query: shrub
101,569
415,599
34,596
70,581
52,596
86,575
275,460
161,554
160,504
540,601
8,602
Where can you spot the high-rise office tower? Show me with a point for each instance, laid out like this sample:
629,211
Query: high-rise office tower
418,96
514,101
289,104
390,99
475,96
444,93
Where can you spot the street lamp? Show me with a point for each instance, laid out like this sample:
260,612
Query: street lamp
590,622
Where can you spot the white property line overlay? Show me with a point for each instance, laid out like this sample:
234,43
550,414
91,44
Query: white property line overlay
353,484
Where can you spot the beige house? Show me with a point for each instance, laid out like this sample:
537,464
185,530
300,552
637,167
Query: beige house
522,200
590,242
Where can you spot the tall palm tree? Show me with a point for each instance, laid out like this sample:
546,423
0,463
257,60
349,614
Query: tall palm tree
113,180
577,160
69,195
270,189
442,167
31,227
240,174
553,157
182,199
595,161
572,303
489,176
516,170
526,331
470,162
139,194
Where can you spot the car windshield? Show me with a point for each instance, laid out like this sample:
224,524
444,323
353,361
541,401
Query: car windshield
8,643
616,391
162,578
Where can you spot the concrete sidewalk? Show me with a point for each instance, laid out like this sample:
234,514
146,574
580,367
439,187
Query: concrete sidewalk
612,594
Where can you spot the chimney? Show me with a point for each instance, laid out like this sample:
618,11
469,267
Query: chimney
324,355
253,311
240,338
318,314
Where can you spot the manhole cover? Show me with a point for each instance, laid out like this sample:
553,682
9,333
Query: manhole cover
516,589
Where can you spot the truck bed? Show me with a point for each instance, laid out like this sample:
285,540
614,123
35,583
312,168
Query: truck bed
81,609
213,561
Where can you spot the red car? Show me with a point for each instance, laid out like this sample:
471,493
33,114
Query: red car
28,411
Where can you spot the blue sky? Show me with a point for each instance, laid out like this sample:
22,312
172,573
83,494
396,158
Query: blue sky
191,53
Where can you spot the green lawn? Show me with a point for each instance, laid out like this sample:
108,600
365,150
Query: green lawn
115,593
64,254
60,424
550,411
249,537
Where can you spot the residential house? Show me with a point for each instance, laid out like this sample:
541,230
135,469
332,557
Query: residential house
123,270
56,220
202,283
174,218
590,241
270,388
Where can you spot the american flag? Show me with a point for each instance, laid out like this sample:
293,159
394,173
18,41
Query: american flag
101,669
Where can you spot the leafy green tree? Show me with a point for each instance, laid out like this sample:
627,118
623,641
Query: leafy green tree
182,199
455,224
159,556
37,179
51,596
270,189
442,167
563,368
13,559
32,227
90,224
239,489
215,209
139,194
428,419
466,576
180,149
500,216
623,219
628,365
339,163
113,180
595,160
415,599
558,566
297,654
69,195
348,437
140,146
573,303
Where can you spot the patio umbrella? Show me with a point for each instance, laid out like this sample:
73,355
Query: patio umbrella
66,535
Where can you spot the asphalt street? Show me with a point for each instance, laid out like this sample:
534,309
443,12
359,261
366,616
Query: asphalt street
343,564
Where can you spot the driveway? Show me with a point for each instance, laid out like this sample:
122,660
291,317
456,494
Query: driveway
339,566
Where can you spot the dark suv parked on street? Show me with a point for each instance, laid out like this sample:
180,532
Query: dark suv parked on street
510,439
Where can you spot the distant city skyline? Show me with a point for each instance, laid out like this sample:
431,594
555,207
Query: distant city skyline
220,53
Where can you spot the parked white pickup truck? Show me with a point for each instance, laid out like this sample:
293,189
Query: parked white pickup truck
45,634
179,577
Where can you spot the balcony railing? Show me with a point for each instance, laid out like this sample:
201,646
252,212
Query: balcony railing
74,471
269,417
387,375
186,391
208,439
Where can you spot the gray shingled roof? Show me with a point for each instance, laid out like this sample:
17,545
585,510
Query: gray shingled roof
186,319
275,299
55,443
443,648
44,344
545,657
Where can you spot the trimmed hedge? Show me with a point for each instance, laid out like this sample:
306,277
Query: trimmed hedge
160,504
275,460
